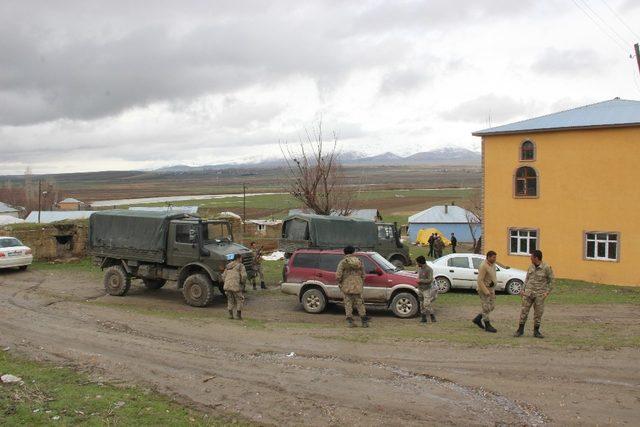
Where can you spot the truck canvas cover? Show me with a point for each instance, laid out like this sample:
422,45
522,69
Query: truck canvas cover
330,231
141,234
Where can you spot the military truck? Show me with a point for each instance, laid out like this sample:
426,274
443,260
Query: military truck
163,246
335,232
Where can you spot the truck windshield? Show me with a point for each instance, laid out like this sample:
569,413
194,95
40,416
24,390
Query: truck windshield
382,262
216,232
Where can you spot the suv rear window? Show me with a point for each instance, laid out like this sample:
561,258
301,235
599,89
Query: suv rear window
329,262
305,260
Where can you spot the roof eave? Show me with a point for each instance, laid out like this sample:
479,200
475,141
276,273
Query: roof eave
555,129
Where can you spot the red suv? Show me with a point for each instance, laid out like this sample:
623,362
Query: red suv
311,276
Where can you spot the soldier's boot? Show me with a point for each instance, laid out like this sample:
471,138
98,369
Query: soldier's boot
365,321
423,318
478,321
350,322
488,327
433,318
262,285
230,314
536,332
520,331
239,315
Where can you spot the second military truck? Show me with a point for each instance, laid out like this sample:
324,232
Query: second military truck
163,246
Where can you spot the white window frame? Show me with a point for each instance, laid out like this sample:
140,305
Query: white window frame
528,238
606,242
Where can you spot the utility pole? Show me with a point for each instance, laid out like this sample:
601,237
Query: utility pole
637,47
244,208
39,198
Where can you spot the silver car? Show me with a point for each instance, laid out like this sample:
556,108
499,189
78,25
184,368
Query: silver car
461,271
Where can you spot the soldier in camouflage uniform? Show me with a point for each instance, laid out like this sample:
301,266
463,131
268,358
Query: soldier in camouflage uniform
427,290
234,277
537,287
487,280
257,266
350,276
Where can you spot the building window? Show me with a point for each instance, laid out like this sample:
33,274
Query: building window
522,241
527,151
526,182
602,246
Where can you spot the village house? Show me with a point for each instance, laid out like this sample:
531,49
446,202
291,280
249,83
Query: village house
70,204
567,184
447,219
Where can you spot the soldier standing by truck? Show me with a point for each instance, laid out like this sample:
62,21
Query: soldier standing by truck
427,293
537,286
235,276
257,266
350,276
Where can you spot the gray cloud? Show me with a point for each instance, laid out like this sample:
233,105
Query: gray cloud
557,62
490,107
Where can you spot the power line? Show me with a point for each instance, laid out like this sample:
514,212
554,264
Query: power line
597,15
600,27
619,18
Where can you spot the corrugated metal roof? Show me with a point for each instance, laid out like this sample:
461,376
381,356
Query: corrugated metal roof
180,209
6,208
54,216
613,113
439,215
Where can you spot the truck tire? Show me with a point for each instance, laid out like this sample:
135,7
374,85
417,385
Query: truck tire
198,290
154,284
404,305
116,281
398,263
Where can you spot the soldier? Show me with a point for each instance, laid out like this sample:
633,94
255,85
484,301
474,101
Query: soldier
257,266
427,291
454,243
430,242
350,276
537,287
438,245
234,277
486,290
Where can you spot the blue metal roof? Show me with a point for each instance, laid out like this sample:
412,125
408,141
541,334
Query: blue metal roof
613,113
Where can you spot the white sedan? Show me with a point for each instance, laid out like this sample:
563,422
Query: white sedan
14,254
461,271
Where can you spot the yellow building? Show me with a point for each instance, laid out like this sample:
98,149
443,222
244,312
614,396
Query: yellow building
568,184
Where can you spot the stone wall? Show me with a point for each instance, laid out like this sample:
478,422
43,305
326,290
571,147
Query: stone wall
66,239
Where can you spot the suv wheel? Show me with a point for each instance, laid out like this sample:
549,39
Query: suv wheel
404,305
444,285
514,287
313,301
116,281
198,290
153,284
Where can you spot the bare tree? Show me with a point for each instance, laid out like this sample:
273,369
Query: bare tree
474,219
315,175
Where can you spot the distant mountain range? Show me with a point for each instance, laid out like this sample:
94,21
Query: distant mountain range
440,156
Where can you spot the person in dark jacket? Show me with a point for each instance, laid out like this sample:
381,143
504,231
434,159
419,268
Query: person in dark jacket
454,243
432,238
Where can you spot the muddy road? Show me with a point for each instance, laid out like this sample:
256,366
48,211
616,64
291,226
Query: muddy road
285,367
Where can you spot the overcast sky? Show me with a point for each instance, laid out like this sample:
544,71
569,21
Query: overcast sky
91,85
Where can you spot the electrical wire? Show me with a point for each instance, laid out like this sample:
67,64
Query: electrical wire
619,18
606,24
600,27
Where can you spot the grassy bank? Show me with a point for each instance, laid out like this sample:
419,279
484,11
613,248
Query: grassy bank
61,396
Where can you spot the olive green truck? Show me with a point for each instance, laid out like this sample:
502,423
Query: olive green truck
163,246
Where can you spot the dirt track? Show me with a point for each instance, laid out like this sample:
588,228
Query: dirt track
301,374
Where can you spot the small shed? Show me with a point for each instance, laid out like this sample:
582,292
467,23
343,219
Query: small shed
7,210
263,228
448,219
70,204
